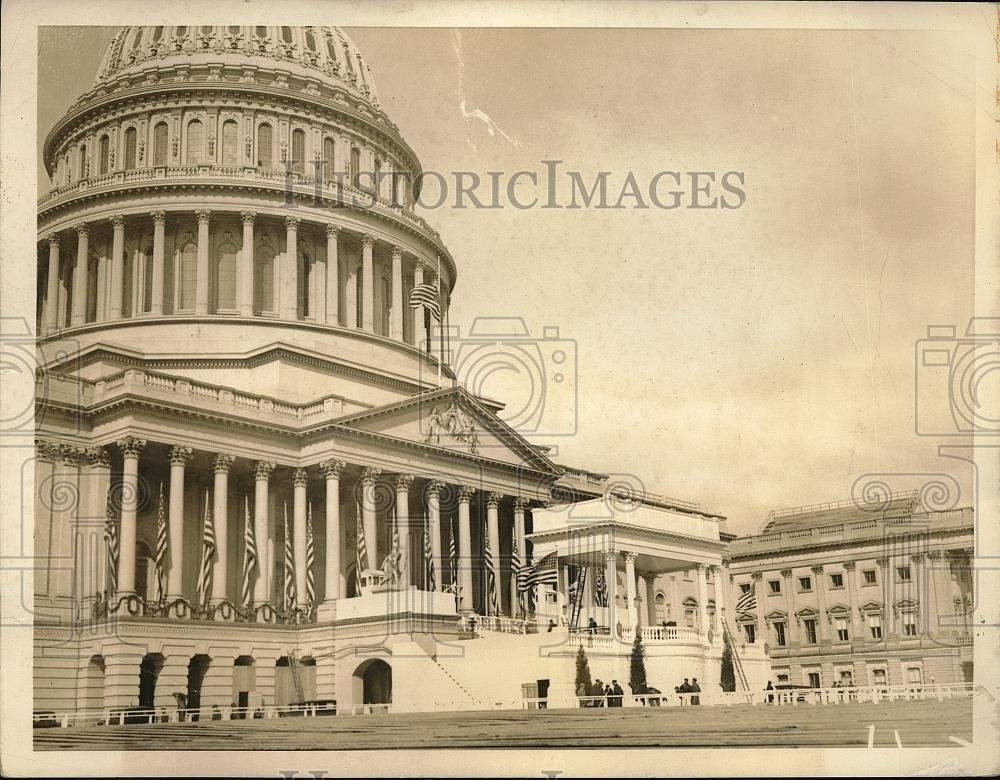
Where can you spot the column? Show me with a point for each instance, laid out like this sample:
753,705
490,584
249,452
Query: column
851,570
117,267
90,546
261,500
701,576
630,590
336,582
418,313
130,447
220,516
920,582
332,276
761,596
650,583
156,284
288,290
179,458
938,591
79,316
793,622
676,613
299,482
367,283
465,493
396,314
611,577
888,589
434,529
493,533
52,286
201,284
368,515
245,302
101,280
403,482
719,574
821,632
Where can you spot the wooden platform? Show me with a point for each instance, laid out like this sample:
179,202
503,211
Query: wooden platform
918,723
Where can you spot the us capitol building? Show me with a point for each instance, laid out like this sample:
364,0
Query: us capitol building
252,488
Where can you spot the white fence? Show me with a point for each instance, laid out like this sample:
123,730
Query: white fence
797,696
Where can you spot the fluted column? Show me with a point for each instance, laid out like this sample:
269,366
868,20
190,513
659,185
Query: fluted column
719,575
368,516
611,578
434,529
630,589
465,493
650,584
245,302
201,283
403,482
676,613
116,307
396,315
701,574
52,285
130,447
493,530
288,287
922,587
262,498
332,276
851,569
179,458
938,595
793,623
80,275
761,610
336,583
300,480
821,619
887,578
220,516
156,285
368,283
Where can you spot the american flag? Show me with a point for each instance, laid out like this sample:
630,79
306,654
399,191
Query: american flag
545,572
452,555
392,560
289,591
310,560
517,575
426,295
748,601
249,555
491,580
600,589
431,583
111,539
360,550
161,549
207,555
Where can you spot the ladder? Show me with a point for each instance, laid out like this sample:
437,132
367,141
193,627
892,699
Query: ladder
293,666
737,664
576,606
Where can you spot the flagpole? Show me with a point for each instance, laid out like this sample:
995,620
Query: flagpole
440,322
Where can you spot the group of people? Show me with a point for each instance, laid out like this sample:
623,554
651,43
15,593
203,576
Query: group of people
613,694
689,687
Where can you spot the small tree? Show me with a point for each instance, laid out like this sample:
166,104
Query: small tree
637,666
728,673
583,671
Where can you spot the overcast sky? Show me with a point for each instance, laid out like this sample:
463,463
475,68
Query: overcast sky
745,359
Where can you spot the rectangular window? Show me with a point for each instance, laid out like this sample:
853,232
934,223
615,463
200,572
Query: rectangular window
869,576
909,624
775,586
805,583
846,678
783,679
875,626
779,633
689,618
913,675
751,632
810,625
836,580
841,626
230,144
814,679
904,573
878,676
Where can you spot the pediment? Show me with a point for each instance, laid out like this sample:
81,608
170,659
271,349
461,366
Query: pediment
776,614
839,609
807,612
452,420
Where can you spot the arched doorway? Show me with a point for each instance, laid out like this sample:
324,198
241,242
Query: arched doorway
197,668
93,684
375,679
244,682
149,671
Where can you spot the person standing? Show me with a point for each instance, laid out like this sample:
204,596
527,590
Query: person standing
581,693
597,691
618,692
770,695
684,687
695,688
609,695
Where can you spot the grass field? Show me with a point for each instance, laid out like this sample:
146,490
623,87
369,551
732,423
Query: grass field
918,724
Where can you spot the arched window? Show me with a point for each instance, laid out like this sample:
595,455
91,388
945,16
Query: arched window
104,152
331,51
377,182
329,153
298,151
137,40
261,32
188,281
160,144
230,144
305,270
355,164
225,278
263,279
286,34
195,142
265,146
83,161
310,40
130,149
157,33
660,603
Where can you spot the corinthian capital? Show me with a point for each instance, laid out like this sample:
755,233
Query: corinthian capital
332,468
159,217
98,457
403,481
368,240
131,446
292,223
521,503
299,477
262,470
203,215
118,221
222,462
465,493
493,499
180,456
248,217
369,475
435,488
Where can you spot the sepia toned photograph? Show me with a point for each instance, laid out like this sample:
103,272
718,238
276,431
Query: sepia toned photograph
453,390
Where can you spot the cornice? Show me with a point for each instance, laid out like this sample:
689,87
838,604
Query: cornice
540,537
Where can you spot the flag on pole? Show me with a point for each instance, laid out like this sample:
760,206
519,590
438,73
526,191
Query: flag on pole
207,556
111,540
492,591
289,591
310,560
391,564
360,550
545,572
600,589
426,295
516,574
160,558
249,555
748,601
430,582
453,561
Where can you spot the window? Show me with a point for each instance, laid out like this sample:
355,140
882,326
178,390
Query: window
689,618
661,607
846,678
751,631
377,179
359,291
104,151
914,676
157,33
775,586
783,679
230,144
878,676
836,580
869,576
195,142
298,151
286,34
386,298
261,32
875,626
329,149
188,275
810,625
744,588
264,281
813,679
909,624
310,40
355,165
147,278
840,625
265,146
160,144
779,632
805,583
225,278
130,149
305,268
903,572
83,161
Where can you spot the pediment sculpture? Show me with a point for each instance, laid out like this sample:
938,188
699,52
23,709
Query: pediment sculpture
454,424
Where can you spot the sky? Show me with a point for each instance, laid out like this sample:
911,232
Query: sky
745,359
